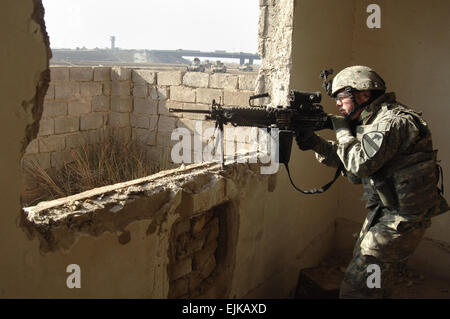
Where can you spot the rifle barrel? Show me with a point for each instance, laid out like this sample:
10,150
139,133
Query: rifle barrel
190,111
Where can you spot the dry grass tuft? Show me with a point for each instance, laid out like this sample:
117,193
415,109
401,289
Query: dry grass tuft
92,165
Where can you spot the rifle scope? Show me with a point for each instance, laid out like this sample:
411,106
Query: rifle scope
299,98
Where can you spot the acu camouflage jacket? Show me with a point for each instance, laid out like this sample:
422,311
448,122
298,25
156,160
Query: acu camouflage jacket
390,152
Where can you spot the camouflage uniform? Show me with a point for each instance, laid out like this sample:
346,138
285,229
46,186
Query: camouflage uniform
390,152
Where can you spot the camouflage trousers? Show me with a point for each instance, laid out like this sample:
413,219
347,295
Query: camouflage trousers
386,240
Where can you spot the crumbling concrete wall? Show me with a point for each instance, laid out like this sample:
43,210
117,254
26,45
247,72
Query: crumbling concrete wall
172,234
275,49
23,83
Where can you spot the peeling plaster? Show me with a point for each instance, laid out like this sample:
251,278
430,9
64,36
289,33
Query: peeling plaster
39,31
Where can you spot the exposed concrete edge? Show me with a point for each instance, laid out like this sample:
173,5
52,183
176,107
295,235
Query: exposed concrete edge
37,102
177,172
185,192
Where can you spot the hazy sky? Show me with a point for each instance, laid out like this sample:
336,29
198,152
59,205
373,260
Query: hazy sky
205,25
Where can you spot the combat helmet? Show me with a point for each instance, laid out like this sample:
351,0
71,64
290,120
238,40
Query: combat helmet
358,78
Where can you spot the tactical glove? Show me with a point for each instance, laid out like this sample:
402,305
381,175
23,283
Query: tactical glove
340,125
306,140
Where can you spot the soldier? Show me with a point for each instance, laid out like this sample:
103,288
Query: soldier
387,147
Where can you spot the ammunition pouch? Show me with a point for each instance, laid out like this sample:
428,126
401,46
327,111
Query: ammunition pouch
416,187
410,189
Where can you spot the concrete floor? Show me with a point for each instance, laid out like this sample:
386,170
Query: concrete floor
411,283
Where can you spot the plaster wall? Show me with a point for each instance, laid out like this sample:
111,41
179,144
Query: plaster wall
411,49
23,85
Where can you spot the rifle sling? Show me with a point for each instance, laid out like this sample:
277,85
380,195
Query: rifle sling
314,190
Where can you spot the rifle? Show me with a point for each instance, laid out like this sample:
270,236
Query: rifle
303,114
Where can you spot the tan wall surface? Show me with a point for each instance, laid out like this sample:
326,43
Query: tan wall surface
411,50
23,43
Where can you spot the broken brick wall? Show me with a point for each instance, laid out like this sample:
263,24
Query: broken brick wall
83,102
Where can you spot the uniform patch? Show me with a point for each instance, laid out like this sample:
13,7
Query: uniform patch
371,143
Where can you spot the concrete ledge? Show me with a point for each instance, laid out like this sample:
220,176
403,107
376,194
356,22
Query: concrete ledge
185,192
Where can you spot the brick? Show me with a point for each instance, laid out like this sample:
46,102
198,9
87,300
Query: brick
223,81
154,122
102,73
145,106
159,93
121,104
247,82
91,121
41,159
207,267
122,134
119,120
52,143
100,103
59,74
198,223
107,88
180,269
122,88
67,124
59,159
139,121
213,233
234,98
163,139
202,257
196,79
169,77
67,90
143,76
46,127
195,245
182,94
91,89
140,90
75,140
164,110
120,74
81,74
50,95
33,147
144,136
76,108
207,95
166,124
186,123
54,108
